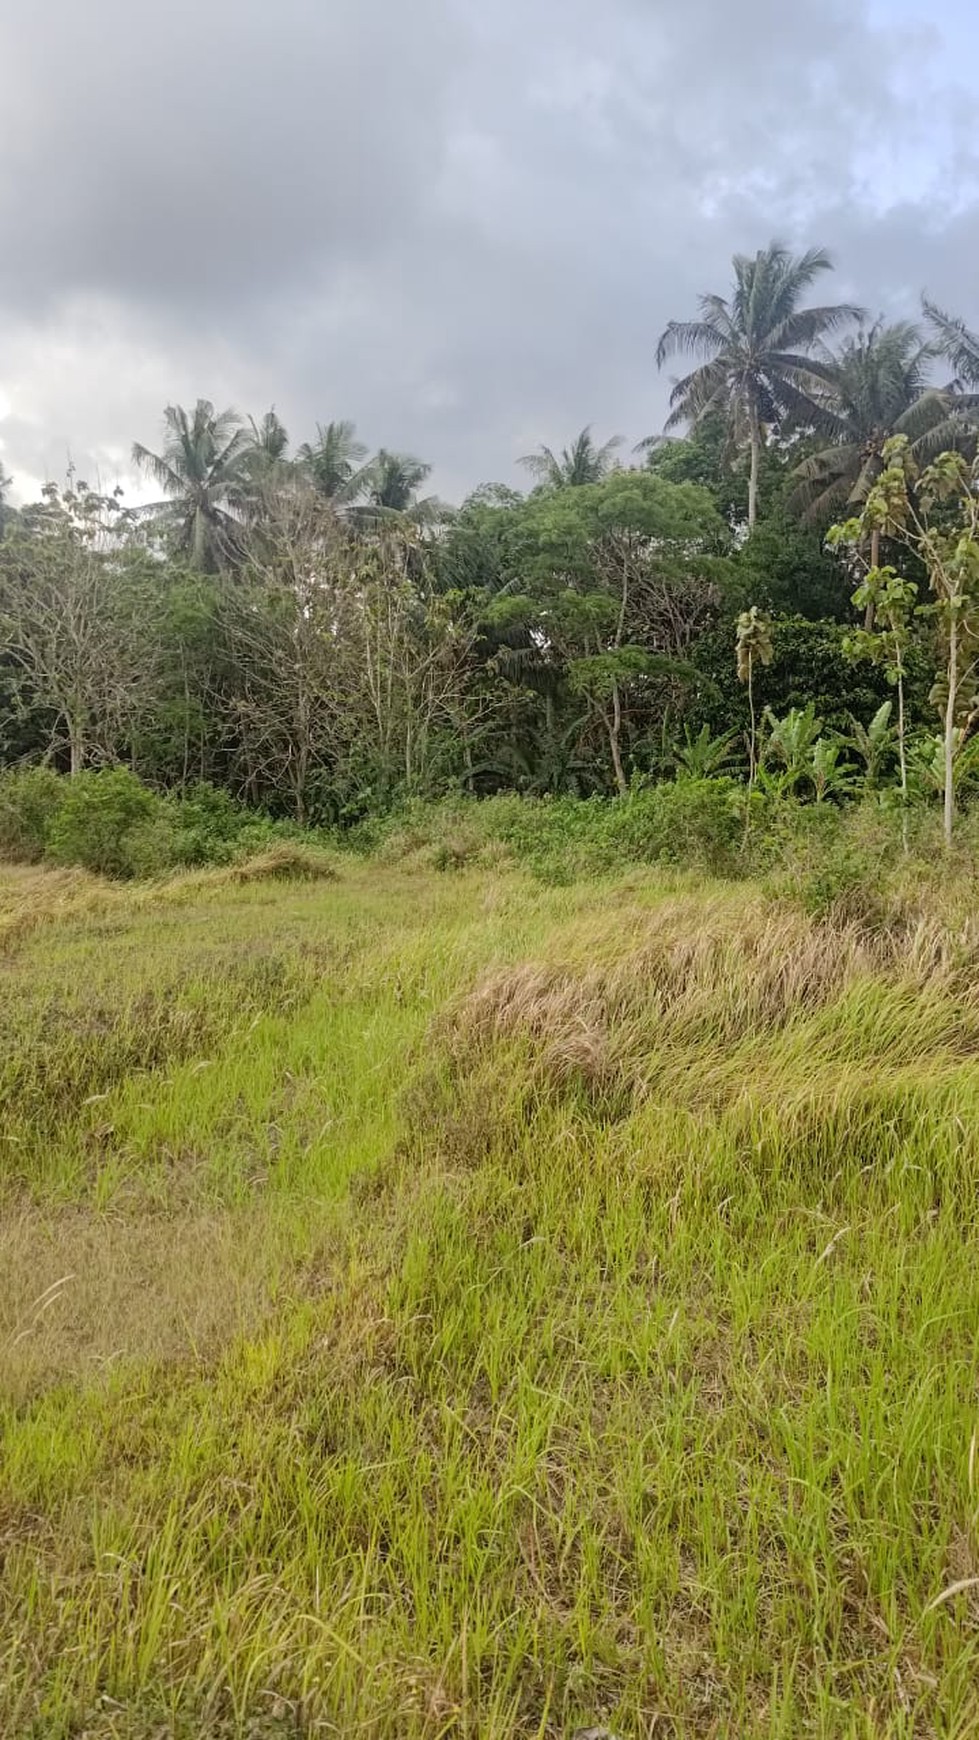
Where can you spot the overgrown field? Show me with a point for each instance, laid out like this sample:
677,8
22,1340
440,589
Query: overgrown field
451,1304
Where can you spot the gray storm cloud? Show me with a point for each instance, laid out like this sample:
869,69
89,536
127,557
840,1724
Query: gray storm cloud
463,225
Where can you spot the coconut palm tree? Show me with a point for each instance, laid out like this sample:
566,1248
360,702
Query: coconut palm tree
878,386
954,341
393,482
580,463
334,463
267,467
757,346
204,473
270,439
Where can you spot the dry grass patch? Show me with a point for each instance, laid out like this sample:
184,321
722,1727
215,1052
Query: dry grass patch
638,991
82,1292
31,898
288,861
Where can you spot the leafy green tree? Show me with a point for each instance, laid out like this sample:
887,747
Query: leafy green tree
578,464
753,646
875,745
759,369
888,601
831,776
79,604
615,578
704,756
878,386
204,471
934,513
5,485
790,745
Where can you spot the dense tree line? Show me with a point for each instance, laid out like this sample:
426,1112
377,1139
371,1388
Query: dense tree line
311,630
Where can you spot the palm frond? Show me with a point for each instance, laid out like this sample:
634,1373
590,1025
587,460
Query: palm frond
698,337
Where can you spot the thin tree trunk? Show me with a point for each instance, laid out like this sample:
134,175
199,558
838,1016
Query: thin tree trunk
614,728
868,619
755,439
953,677
901,751
76,746
751,704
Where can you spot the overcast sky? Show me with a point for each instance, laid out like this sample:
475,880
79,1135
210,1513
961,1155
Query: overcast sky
462,223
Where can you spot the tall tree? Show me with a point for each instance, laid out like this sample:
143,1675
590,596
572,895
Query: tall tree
954,341
335,463
878,386
5,483
934,514
79,615
204,473
579,464
393,483
757,346
270,438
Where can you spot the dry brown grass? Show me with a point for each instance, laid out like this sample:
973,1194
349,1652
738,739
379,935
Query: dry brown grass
288,861
82,1292
32,897
708,972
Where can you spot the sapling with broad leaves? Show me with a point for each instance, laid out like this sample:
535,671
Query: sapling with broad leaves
933,513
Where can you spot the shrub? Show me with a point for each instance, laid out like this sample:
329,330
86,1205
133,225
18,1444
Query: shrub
284,861
97,815
696,823
29,802
155,846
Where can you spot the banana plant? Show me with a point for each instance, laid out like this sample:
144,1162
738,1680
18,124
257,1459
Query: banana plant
788,749
874,743
926,763
704,756
830,776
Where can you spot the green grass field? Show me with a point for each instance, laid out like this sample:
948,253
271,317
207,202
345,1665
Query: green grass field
441,1304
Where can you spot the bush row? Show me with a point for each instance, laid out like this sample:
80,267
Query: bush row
854,861
108,822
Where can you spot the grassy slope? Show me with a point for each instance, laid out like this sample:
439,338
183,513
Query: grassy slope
443,1305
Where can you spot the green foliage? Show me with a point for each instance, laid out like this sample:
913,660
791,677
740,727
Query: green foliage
108,822
789,747
704,756
784,567
98,813
696,823
874,743
30,800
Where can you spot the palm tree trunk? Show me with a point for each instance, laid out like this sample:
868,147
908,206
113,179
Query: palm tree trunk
755,439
